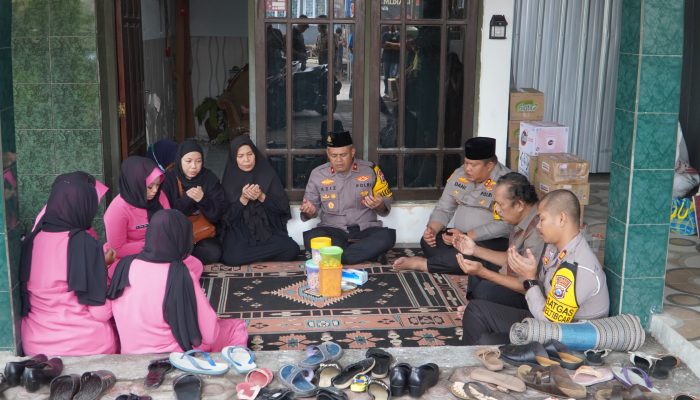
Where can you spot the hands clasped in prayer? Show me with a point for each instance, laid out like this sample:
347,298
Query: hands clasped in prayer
196,193
251,192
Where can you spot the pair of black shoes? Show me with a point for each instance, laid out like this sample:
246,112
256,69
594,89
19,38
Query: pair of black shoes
32,372
414,380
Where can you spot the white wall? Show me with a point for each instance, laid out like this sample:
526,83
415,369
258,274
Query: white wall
408,218
219,18
494,76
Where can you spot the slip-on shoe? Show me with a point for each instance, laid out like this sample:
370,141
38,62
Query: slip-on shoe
344,379
331,393
64,387
188,387
157,369
423,378
560,353
3,383
38,374
533,354
275,394
15,369
398,379
378,390
383,362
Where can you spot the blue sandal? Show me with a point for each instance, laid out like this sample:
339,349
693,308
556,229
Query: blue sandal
240,358
323,353
298,380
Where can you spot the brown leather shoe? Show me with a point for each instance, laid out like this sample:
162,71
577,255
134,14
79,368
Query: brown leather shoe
551,380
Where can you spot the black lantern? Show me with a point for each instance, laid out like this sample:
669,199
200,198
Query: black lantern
498,27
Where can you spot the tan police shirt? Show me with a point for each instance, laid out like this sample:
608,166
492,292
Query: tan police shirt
526,236
471,204
338,196
590,284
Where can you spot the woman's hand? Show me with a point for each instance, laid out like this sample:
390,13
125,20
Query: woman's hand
110,256
196,193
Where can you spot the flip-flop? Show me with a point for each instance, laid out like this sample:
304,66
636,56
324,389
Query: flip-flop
558,351
643,361
64,387
207,366
663,366
94,384
635,392
188,387
505,381
247,391
630,376
586,375
490,357
595,357
240,358
260,377
298,380
323,353
326,372
157,369
476,390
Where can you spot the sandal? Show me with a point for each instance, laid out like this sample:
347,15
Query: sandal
326,372
331,393
186,362
643,361
188,387
558,351
586,375
94,384
254,382
324,352
359,383
502,380
630,376
477,390
490,357
663,366
595,357
551,380
378,390
64,387
635,392
157,370
298,380
240,358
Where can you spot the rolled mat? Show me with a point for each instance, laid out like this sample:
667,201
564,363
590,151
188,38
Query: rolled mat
620,333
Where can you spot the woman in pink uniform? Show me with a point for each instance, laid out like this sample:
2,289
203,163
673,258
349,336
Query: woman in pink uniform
128,215
157,301
63,279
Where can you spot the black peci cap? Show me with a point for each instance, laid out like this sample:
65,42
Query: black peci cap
338,139
480,148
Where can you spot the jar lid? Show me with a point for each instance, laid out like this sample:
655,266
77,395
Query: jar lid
331,251
319,242
311,264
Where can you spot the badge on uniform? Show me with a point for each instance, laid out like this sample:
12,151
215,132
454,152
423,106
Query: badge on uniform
489,184
331,205
381,186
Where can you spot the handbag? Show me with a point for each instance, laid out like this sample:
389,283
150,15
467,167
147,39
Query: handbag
201,227
683,220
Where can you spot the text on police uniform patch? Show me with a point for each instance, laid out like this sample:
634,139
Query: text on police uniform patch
561,304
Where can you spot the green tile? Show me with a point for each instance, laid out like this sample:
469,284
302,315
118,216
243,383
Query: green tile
5,78
6,320
32,106
72,17
629,26
663,27
642,297
33,190
615,290
36,152
646,251
5,23
622,138
30,17
14,248
614,245
4,273
73,60
98,224
651,197
30,59
79,151
11,197
76,106
659,84
7,130
627,82
619,191
655,142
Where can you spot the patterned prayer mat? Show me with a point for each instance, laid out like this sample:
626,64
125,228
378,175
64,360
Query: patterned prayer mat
390,310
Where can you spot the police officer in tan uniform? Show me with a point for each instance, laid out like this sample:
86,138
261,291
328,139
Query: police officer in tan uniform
567,284
468,196
516,203
347,194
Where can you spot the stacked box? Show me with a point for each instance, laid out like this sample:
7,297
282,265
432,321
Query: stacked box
526,104
536,138
562,171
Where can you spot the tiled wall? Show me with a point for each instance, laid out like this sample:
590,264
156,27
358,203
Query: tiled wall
56,91
644,143
9,227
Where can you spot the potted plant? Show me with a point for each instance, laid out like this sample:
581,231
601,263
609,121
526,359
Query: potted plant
213,117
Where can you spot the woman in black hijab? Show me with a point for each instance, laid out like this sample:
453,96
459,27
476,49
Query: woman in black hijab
258,209
63,278
193,189
157,301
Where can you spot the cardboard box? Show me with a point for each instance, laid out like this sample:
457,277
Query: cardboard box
526,104
581,190
543,137
562,168
527,165
512,160
514,134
